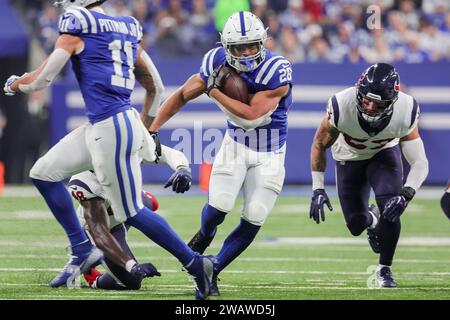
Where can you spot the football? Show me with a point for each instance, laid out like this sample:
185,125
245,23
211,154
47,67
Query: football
233,85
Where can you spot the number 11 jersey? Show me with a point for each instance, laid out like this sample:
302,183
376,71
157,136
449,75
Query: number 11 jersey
104,67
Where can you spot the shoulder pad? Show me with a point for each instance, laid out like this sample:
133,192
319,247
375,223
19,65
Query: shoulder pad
211,60
274,72
77,21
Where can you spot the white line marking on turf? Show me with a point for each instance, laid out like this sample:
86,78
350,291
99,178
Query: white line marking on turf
249,259
252,271
264,242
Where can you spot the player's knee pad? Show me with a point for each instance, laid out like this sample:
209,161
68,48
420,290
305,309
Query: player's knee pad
222,201
357,224
42,170
256,213
445,204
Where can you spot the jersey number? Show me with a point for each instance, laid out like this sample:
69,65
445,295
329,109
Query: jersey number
286,74
118,79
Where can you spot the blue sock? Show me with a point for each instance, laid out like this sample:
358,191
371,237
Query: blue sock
158,230
211,218
236,243
60,203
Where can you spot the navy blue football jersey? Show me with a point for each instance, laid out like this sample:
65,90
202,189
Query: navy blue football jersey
105,66
275,71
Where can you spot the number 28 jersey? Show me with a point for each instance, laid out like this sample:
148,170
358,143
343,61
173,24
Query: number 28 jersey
104,68
275,71
358,141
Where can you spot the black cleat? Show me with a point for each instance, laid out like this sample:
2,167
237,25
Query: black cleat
214,288
372,234
384,278
199,242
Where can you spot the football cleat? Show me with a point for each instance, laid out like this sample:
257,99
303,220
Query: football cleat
214,288
199,242
385,279
77,265
372,234
91,277
201,270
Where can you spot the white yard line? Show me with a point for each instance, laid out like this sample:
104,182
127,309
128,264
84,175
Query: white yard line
248,259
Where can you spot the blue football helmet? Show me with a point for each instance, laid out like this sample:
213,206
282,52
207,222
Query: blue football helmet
379,83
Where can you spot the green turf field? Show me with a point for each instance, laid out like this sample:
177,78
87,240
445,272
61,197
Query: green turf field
292,258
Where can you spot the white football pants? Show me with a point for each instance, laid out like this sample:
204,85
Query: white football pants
261,174
114,149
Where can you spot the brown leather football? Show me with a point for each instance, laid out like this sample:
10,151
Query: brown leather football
233,85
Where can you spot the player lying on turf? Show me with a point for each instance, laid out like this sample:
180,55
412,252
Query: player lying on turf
109,235
364,126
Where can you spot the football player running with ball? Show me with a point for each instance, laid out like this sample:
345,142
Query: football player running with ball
107,60
253,150
364,127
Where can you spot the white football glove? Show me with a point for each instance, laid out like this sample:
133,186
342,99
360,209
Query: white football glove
7,88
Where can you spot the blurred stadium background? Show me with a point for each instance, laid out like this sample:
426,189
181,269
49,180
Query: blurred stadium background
329,44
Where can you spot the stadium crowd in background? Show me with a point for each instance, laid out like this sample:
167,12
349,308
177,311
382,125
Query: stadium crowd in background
331,31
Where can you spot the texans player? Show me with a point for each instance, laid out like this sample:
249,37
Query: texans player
364,126
253,150
97,217
107,59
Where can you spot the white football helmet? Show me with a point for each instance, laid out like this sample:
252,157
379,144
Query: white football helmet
75,3
242,29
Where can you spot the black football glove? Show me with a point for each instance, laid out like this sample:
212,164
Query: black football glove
144,270
395,206
158,151
216,78
180,180
318,199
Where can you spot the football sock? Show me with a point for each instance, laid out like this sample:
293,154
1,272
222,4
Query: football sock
236,243
388,233
158,230
60,203
211,218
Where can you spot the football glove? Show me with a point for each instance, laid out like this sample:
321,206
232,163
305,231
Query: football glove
180,180
318,199
7,88
144,270
158,151
395,206
215,80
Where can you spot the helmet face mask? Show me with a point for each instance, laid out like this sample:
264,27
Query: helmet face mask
242,34
379,84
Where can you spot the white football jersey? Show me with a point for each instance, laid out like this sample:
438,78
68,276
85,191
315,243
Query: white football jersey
357,142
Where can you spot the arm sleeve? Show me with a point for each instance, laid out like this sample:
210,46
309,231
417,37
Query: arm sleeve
157,81
173,158
414,153
55,63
